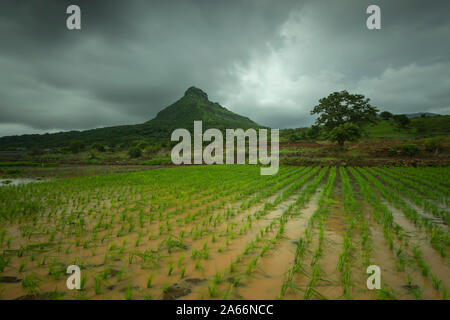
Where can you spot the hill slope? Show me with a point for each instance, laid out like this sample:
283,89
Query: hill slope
194,105
418,128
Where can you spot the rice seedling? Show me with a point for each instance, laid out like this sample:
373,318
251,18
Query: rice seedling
95,218
169,272
148,297
227,293
31,284
2,237
436,282
165,286
97,285
128,293
3,262
181,260
217,278
420,261
130,257
182,272
149,281
119,275
385,294
83,283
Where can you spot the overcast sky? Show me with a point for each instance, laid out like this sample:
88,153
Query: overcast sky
268,60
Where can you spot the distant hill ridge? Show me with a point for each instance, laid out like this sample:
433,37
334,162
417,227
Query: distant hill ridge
194,105
422,114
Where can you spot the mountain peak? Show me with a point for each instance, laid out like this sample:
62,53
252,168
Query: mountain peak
196,92
193,106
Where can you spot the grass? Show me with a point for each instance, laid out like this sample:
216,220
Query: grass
419,127
128,293
31,284
97,285
149,281
213,291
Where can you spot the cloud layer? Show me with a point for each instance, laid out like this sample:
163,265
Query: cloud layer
269,60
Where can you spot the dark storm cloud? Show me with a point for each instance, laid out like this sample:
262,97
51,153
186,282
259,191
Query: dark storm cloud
269,60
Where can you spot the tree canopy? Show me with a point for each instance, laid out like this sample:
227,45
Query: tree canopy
340,109
386,115
402,120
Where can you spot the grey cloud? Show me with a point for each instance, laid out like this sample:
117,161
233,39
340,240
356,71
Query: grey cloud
269,60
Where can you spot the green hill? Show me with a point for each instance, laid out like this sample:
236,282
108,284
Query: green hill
194,105
418,128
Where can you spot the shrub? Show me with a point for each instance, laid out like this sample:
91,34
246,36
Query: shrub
92,156
408,150
345,132
141,144
99,147
134,152
64,149
152,149
402,120
76,146
313,133
434,145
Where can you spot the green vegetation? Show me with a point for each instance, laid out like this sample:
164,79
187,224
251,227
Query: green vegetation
134,152
342,114
305,233
417,128
401,120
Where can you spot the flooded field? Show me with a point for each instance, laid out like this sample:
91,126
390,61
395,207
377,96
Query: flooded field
226,232
17,181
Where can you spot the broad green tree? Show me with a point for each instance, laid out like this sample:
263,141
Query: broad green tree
340,109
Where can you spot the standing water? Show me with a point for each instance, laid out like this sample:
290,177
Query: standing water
18,181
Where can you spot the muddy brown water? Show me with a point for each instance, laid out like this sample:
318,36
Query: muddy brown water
19,181
266,282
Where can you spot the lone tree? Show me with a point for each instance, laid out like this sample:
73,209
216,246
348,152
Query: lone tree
342,114
386,115
402,120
